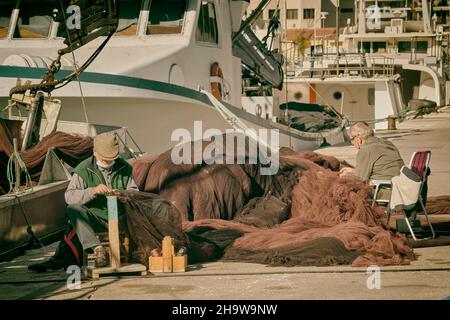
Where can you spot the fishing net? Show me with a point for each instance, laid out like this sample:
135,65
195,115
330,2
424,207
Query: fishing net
303,215
70,148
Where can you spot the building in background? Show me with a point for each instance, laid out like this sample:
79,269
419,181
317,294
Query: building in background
306,14
380,57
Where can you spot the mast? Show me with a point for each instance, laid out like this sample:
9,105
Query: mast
337,36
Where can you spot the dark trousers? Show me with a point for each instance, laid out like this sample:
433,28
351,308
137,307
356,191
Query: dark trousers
86,225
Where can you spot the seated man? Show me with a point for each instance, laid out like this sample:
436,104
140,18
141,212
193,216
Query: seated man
377,159
87,208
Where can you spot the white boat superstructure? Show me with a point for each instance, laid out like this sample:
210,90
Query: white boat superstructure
149,75
394,52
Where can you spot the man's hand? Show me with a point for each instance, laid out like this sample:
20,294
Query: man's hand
346,172
100,189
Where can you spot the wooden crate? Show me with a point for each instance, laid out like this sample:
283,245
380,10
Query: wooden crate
169,262
179,263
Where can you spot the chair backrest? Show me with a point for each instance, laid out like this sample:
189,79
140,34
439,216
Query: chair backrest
419,163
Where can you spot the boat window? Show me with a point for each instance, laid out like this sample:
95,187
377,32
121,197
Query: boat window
404,46
35,18
6,9
128,17
166,16
337,95
207,23
422,47
374,47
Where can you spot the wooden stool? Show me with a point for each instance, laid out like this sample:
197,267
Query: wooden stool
114,248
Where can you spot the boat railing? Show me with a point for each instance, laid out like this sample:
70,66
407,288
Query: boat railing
350,65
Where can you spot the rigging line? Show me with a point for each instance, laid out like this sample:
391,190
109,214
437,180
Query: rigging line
237,123
66,80
285,76
323,99
83,103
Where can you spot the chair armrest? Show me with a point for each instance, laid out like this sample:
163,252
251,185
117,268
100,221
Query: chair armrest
380,182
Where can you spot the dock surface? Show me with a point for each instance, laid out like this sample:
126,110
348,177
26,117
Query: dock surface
426,278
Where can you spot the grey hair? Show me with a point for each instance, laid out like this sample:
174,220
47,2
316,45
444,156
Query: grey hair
361,129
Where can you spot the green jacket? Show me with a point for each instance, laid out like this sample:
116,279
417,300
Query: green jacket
89,172
378,159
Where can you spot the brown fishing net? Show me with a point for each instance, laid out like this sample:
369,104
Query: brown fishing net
303,215
225,209
199,191
70,148
149,219
319,252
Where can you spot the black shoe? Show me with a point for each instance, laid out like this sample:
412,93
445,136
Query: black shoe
47,265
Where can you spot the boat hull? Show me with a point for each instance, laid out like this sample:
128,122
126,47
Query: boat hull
43,208
153,110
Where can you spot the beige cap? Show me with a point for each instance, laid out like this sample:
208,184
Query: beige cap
106,145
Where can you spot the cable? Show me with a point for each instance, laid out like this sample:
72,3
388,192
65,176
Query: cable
14,190
83,103
49,86
15,156
235,121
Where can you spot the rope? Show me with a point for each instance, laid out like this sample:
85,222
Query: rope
14,191
48,84
15,185
235,121
288,119
324,101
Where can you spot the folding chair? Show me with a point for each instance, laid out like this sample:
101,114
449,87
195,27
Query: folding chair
419,164
379,184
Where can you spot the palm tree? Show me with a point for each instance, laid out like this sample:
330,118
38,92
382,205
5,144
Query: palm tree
301,44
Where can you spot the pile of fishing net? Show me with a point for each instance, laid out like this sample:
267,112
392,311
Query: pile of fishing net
303,215
70,148
311,117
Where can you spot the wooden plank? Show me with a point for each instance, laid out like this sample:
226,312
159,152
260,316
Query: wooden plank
167,253
95,273
113,230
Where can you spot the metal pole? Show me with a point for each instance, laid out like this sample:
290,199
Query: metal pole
337,37
31,121
16,165
14,19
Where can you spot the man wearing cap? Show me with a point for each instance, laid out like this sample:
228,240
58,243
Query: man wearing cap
87,210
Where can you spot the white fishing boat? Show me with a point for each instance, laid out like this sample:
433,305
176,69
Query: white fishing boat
149,76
